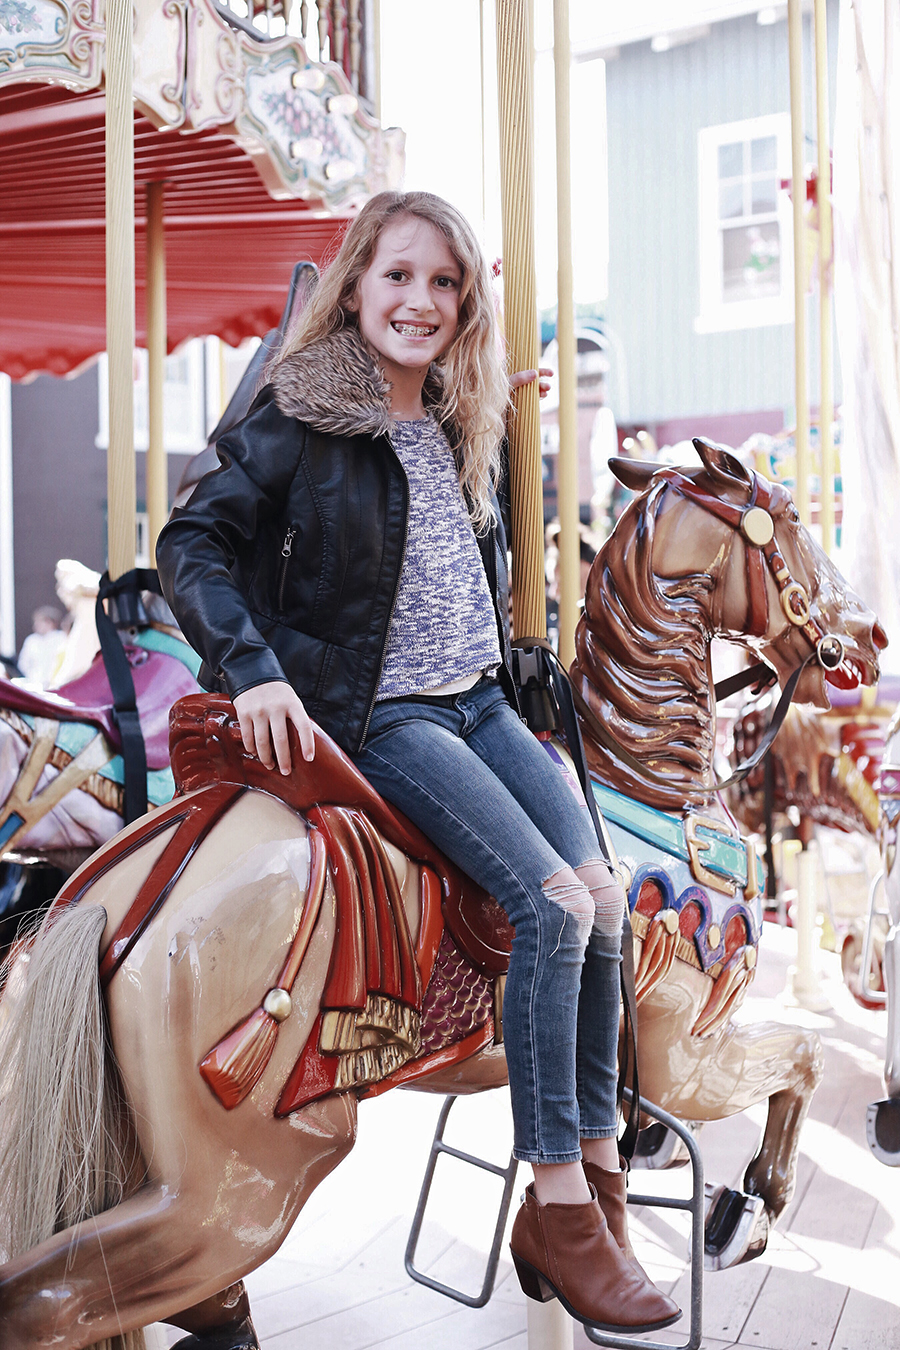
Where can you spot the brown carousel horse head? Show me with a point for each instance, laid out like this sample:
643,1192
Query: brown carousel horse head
714,551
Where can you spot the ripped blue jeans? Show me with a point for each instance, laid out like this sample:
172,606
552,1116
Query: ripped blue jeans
466,771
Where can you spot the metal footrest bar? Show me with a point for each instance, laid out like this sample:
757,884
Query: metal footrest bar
508,1173
697,1208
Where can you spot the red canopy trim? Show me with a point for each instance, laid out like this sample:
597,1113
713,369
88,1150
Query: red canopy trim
230,247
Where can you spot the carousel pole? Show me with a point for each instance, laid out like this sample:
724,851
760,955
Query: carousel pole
120,467
157,471
567,461
549,1325
515,77
798,193
803,978
826,395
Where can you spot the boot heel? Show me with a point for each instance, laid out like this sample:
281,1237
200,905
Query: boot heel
533,1285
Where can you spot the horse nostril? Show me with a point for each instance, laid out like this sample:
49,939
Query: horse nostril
879,636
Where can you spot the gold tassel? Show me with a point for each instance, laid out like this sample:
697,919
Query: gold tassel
234,1066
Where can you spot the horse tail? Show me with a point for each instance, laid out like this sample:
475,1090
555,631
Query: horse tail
68,1144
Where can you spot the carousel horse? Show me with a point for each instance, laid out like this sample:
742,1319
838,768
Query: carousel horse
214,991
61,767
715,554
823,769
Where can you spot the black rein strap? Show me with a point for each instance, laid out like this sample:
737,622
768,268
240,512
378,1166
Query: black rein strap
124,594
564,696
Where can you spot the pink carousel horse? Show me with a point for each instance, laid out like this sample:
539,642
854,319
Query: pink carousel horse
61,771
215,989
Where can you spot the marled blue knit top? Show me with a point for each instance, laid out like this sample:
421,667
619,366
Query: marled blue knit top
444,625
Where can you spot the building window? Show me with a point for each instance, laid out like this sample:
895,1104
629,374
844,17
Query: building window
746,265
184,400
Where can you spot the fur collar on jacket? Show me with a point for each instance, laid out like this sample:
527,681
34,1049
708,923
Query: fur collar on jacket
336,387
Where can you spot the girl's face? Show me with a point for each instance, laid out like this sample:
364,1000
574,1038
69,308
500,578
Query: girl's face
408,299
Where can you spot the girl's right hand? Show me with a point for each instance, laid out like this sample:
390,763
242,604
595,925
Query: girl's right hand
263,713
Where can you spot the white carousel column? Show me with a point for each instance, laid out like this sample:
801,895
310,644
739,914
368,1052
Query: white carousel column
7,554
120,466
798,192
515,77
805,987
567,462
826,358
157,470
549,1326
804,982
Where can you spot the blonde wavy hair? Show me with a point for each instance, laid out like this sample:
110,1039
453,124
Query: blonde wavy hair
467,390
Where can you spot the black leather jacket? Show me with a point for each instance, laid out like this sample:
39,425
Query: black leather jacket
286,561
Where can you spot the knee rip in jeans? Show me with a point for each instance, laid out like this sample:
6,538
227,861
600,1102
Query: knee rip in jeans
566,890
607,894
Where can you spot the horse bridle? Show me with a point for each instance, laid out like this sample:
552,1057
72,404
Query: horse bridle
755,524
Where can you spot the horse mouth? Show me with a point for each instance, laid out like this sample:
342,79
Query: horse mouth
853,672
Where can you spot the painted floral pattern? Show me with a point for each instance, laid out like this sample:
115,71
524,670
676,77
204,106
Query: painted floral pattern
18,17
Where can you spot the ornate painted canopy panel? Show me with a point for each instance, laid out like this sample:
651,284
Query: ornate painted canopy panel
264,154
299,121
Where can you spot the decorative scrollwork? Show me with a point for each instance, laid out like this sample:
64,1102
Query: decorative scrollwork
61,44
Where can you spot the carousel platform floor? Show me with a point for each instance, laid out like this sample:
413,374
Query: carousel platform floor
829,1280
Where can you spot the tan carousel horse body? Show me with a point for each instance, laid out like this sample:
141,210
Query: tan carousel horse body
271,949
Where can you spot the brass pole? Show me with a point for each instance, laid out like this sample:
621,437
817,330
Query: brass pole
515,76
120,475
798,192
567,462
826,395
157,471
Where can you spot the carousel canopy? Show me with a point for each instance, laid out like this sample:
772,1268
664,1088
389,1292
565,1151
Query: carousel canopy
264,155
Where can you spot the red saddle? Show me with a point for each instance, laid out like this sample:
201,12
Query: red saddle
206,748
159,681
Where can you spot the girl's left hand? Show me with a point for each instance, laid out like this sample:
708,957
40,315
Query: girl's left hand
544,375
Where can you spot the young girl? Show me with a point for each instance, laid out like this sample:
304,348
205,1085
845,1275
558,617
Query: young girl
346,563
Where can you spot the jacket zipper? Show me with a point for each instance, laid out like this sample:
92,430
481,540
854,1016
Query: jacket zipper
286,550
387,627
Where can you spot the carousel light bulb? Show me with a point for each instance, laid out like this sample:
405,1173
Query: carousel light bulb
346,104
310,78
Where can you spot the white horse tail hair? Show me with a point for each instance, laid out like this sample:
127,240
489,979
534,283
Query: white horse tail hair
68,1146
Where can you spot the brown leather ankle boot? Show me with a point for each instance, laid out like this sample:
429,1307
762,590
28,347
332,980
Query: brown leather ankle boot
568,1251
611,1188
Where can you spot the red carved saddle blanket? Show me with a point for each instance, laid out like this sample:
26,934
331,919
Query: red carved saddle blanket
391,1009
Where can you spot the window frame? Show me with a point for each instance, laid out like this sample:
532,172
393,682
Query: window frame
716,314
180,440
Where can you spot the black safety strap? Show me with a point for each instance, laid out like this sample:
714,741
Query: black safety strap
125,611
760,674
535,663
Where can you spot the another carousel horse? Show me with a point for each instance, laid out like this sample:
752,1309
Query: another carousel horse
272,949
61,767
822,770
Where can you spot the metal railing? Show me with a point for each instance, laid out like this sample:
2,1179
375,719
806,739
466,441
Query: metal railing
337,31
695,1205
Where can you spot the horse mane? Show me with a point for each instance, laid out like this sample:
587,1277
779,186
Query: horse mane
641,662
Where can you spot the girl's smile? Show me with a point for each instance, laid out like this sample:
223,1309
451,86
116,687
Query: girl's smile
408,306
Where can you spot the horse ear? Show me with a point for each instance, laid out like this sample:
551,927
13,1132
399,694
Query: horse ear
720,462
634,473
